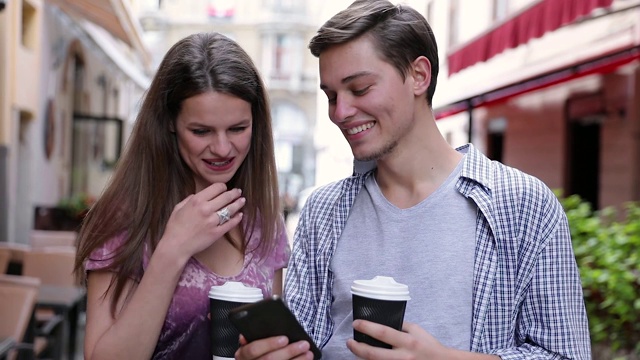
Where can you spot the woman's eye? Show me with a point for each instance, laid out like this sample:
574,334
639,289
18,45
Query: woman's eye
238,129
199,131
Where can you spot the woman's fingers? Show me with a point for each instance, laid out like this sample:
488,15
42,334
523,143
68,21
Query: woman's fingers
228,212
181,204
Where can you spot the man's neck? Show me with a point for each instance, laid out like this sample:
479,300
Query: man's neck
416,169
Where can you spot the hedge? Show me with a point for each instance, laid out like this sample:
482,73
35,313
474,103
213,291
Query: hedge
607,248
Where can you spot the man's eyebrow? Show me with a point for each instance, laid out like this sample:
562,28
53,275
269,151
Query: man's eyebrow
349,78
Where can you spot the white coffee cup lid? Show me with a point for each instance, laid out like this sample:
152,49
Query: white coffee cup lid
381,288
236,292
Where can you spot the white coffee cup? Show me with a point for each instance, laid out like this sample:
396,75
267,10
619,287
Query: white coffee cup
223,298
381,300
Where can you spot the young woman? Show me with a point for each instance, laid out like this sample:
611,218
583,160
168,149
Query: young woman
193,203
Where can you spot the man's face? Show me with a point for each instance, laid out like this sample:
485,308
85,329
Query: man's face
368,99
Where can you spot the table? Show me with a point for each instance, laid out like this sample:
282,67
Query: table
6,344
66,301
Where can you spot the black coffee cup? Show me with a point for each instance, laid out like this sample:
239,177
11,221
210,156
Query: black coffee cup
224,336
381,300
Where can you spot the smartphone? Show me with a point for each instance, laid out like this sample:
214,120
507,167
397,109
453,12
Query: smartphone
267,318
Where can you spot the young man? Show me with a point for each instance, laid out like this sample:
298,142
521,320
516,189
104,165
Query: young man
485,249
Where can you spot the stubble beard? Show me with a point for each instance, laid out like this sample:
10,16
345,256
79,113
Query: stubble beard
380,153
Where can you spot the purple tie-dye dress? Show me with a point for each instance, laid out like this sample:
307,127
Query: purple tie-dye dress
186,333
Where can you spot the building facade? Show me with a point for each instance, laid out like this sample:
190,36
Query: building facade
70,76
550,87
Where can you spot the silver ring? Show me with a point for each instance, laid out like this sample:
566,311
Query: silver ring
223,215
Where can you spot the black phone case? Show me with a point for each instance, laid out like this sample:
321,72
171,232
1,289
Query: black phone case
267,318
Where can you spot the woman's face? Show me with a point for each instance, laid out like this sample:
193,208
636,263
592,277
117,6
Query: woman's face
214,136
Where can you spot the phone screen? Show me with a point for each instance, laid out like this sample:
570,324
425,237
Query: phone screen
267,318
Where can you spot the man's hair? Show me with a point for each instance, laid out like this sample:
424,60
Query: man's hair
400,33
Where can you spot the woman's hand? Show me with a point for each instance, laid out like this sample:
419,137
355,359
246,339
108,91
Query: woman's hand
195,223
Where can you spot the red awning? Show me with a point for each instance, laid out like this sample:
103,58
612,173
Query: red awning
533,22
115,16
603,64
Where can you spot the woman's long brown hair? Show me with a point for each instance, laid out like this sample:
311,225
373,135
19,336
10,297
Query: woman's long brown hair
151,177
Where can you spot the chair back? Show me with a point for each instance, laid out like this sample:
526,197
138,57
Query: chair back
52,265
18,297
44,238
16,250
5,258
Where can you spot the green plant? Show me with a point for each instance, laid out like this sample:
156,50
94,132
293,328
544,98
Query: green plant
77,205
607,249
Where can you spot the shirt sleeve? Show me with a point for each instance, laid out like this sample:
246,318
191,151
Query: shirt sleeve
553,322
300,285
103,256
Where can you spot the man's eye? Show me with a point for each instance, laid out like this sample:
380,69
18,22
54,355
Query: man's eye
362,91
331,97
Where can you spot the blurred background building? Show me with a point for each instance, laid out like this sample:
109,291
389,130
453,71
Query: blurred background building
71,74
548,86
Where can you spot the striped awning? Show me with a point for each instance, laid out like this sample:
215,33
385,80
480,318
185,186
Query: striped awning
533,22
115,16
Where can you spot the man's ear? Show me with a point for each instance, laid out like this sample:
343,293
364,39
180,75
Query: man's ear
421,72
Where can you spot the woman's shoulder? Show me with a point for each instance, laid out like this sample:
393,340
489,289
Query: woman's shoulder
104,255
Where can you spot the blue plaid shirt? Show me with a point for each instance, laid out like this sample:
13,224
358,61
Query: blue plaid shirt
527,295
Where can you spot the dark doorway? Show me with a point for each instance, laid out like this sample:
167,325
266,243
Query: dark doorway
495,139
495,145
584,159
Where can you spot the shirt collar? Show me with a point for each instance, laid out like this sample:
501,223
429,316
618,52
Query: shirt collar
476,167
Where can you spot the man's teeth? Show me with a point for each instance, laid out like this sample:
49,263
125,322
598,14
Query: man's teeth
360,128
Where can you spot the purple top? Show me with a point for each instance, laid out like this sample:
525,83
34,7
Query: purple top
186,331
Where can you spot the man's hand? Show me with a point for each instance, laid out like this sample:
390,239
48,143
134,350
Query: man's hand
411,343
273,348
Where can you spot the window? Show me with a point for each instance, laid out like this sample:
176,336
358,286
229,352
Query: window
500,9
288,6
283,54
429,14
29,27
221,9
454,20
448,136
495,139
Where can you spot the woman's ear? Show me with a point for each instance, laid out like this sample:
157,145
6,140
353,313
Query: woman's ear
421,72
172,127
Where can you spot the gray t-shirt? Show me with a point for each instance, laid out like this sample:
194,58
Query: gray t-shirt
430,247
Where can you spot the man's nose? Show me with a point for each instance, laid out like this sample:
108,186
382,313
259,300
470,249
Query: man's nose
344,108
